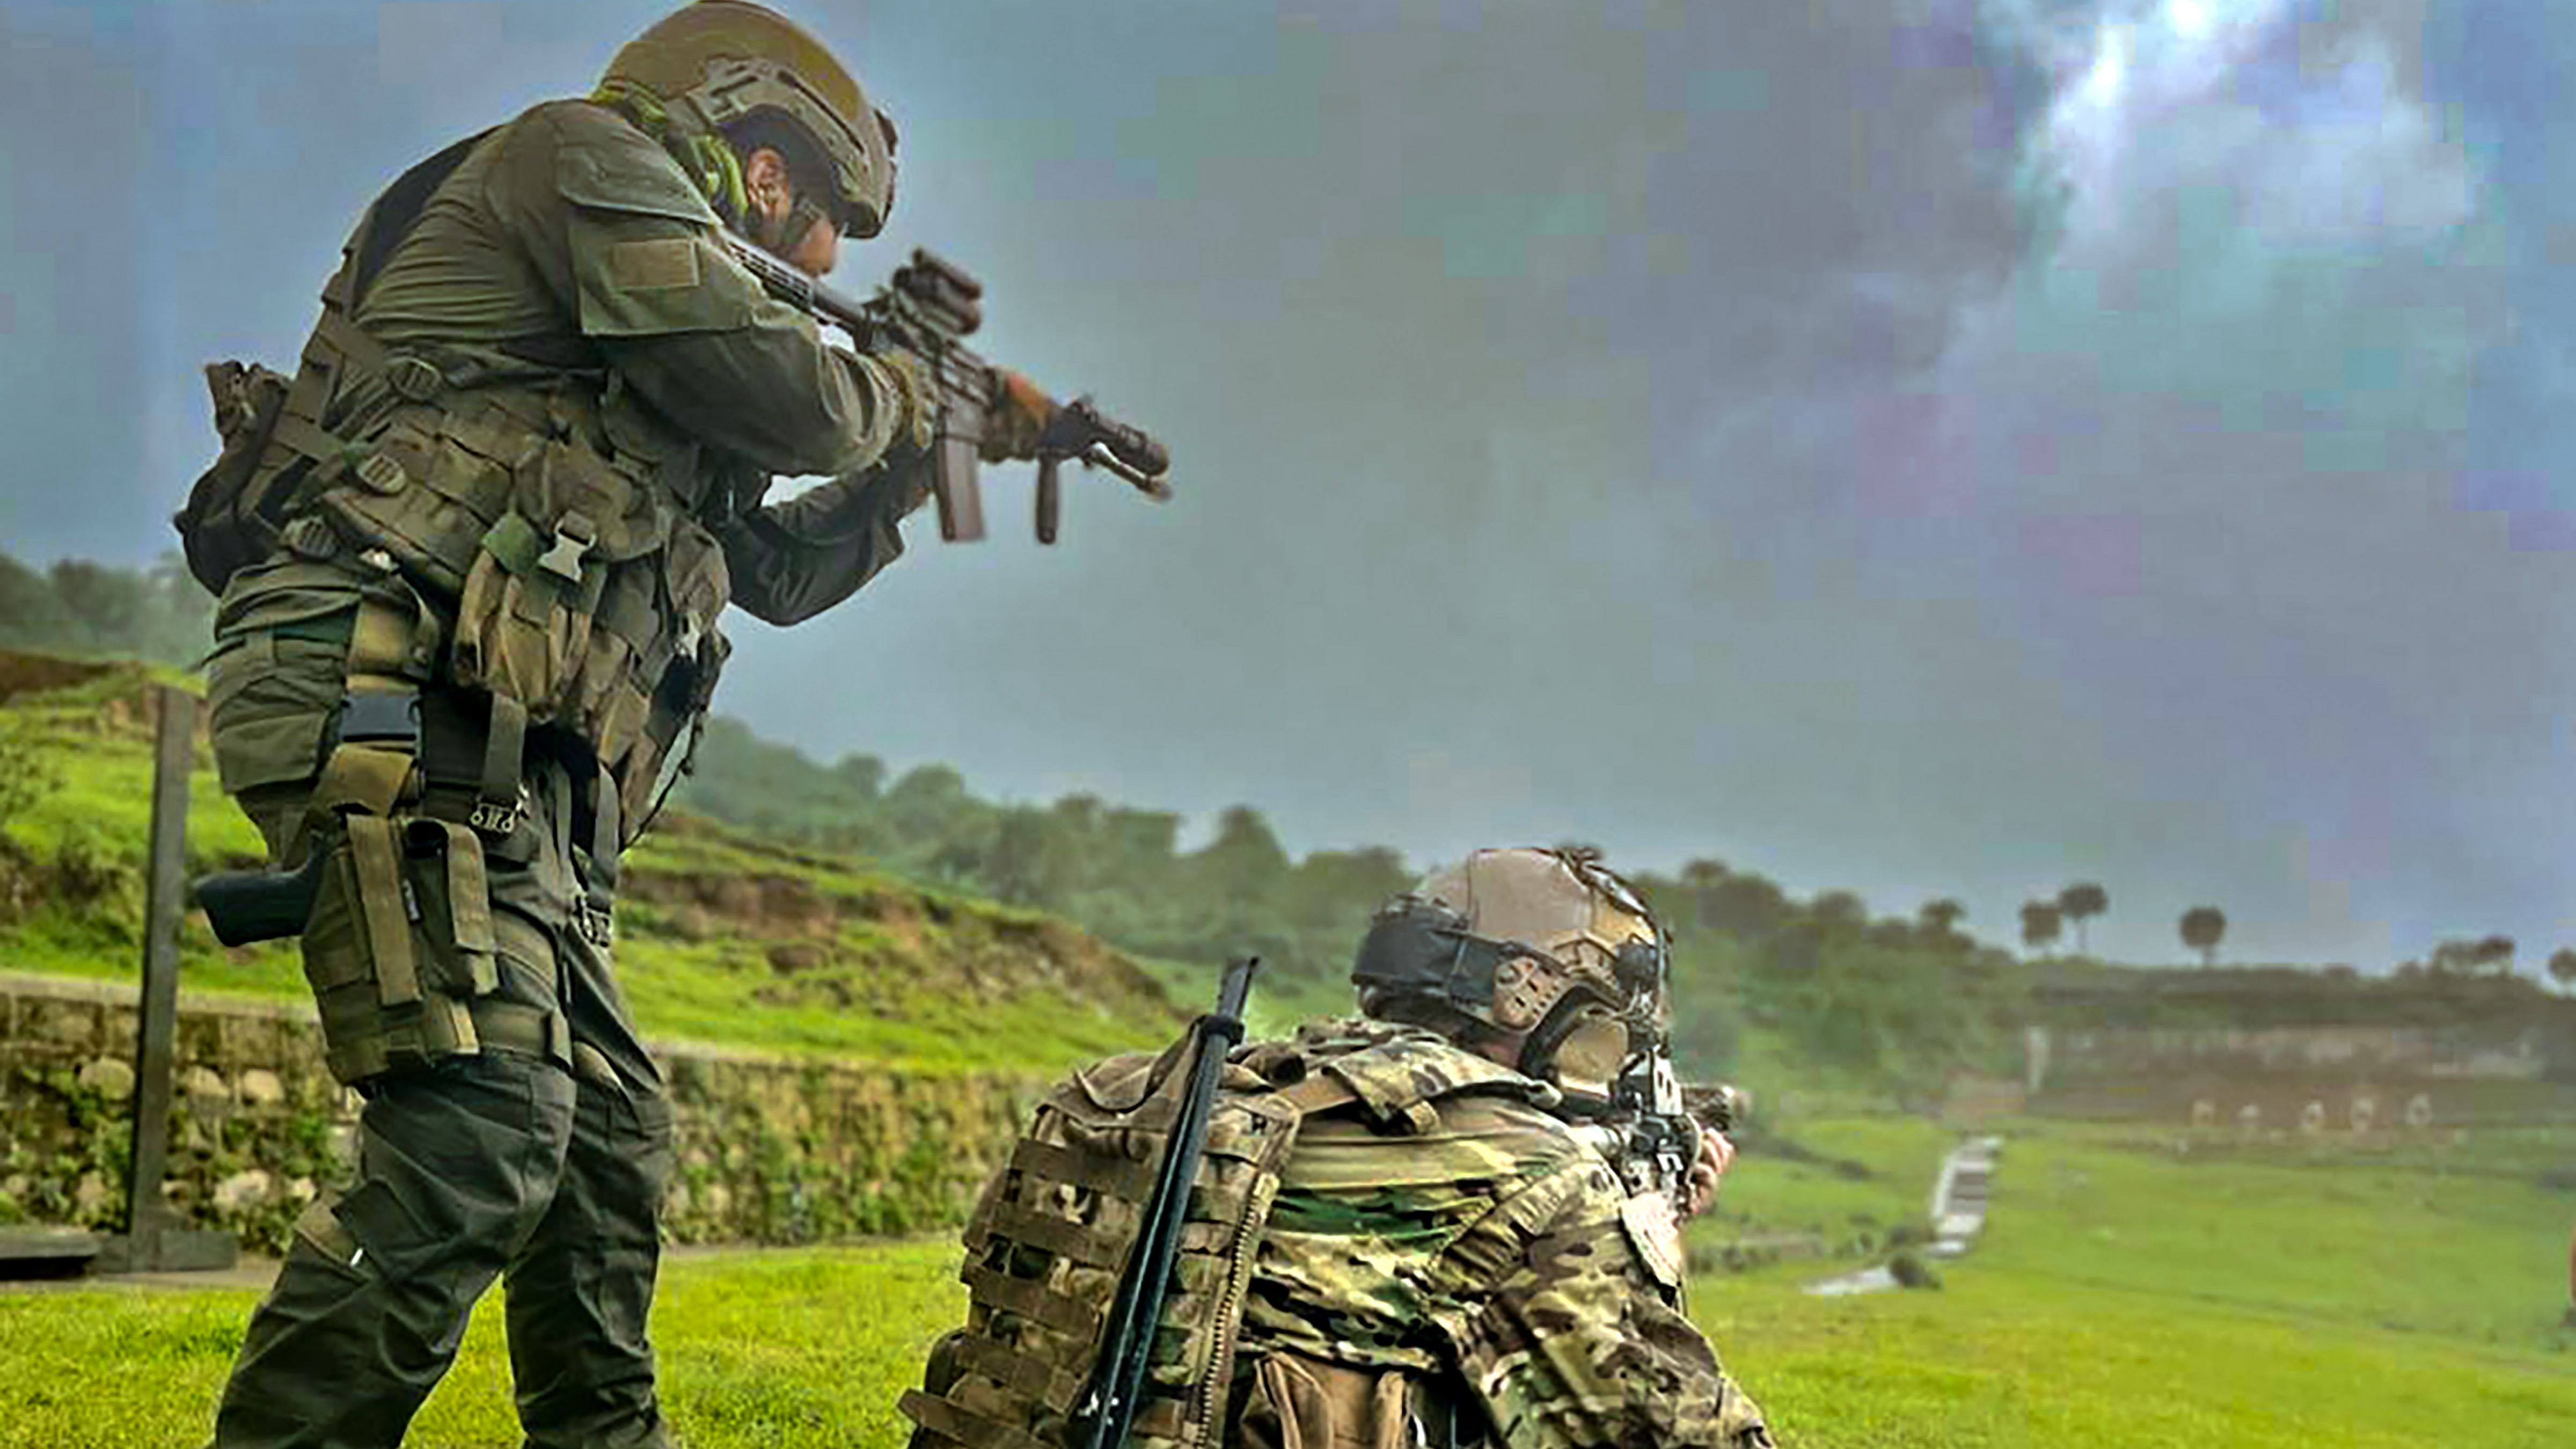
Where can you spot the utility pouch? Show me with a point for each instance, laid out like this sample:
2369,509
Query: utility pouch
433,483
399,941
1294,1402
234,511
583,536
523,624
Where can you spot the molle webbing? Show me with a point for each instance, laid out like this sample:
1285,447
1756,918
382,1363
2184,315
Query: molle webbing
338,351
1047,1244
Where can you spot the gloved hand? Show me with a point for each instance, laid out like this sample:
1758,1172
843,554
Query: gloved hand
1017,413
1715,1153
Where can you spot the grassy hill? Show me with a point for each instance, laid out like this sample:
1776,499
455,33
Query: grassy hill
724,937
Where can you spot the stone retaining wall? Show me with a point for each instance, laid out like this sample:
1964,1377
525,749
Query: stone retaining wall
771,1150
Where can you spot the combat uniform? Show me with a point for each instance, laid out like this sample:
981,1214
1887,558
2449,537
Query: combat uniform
533,430
1480,1254
1394,1242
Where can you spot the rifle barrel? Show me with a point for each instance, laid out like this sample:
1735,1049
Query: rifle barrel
1107,1407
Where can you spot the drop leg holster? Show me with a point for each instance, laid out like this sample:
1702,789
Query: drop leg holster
421,790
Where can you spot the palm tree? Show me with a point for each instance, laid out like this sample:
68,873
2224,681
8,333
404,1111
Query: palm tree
2203,927
2081,902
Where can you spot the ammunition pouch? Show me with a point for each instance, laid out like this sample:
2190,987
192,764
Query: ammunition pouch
432,481
399,944
1290,1401
592,602
419,791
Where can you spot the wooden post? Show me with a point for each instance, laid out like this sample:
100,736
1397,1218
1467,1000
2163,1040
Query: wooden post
155,1038
154,1236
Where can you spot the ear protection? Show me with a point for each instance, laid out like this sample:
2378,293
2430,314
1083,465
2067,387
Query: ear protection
1581,1048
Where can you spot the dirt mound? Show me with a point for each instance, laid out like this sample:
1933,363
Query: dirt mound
23,673
830,932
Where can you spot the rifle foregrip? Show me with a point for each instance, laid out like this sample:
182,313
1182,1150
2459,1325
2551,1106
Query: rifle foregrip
247,906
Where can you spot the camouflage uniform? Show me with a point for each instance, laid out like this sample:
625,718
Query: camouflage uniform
1485,1255
1393,1242
555,366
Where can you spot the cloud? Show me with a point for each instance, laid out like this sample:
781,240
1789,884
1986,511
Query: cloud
1920,445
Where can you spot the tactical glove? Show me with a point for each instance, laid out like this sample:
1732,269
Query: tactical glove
1017,414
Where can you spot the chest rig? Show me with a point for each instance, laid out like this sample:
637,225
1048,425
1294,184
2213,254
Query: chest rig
548,527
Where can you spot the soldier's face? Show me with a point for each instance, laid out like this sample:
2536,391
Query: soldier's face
772,194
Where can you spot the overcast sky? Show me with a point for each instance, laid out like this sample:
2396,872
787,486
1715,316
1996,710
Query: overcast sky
1919,446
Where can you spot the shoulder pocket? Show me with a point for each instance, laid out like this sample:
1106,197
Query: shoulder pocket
642,246
644,184
644,275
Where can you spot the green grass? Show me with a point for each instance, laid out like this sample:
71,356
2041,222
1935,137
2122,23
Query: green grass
703,992
2122,1298
1772,1194
904,976
756,1349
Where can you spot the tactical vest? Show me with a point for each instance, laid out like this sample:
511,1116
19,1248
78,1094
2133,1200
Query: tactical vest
1050,1236
554,532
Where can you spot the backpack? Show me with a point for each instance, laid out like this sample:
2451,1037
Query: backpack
1050,1236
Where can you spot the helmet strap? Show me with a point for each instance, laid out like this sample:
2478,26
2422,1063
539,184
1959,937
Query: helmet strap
801,219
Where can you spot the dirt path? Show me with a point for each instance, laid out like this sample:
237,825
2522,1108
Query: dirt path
1958,1214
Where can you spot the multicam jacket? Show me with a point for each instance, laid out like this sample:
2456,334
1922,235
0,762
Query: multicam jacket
1453,1230
1391,1243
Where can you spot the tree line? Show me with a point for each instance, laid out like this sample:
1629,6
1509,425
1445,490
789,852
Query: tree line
1906,995
2043,921
78,607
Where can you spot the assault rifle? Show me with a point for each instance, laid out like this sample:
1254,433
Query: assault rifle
1651,1130
926,311
1102,1416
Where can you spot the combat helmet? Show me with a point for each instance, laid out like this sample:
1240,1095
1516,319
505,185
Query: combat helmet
1549,943
720,62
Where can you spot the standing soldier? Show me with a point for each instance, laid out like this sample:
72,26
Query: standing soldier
1406,1231
471,560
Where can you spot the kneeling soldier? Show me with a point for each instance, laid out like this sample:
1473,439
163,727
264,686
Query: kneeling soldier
1404,1229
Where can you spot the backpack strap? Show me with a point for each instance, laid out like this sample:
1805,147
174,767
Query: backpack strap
338,350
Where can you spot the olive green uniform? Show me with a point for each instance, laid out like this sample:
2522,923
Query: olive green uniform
532,434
